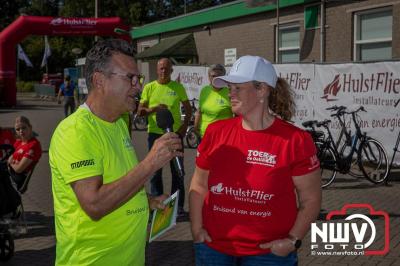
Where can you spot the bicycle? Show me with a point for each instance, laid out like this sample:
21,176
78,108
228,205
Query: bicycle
343,140
192,137
371,158
344,137
139,122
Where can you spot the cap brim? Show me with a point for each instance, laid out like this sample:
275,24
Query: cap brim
223,81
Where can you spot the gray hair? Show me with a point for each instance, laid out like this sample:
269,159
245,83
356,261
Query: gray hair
217,67
99,56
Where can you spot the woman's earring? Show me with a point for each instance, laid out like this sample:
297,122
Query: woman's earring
261,100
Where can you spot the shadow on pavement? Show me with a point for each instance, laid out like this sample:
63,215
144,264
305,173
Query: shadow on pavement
38,225
31,107
43,257
162,253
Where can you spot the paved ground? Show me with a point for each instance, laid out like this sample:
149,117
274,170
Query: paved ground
37,247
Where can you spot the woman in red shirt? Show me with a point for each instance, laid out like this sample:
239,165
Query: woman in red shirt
27,151
256,186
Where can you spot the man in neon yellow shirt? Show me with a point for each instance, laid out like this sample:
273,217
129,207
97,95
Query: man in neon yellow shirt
214,103
165,93
101,209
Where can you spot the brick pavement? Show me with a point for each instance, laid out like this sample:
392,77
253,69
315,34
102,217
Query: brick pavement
37,247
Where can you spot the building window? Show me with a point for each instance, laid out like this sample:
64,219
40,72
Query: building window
289,44
373,35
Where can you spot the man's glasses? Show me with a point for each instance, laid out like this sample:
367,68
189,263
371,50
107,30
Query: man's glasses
134,78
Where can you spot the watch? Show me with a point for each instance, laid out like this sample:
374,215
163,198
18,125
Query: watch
295,241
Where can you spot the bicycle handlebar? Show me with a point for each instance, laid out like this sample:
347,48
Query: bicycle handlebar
339,110
361,108
335,108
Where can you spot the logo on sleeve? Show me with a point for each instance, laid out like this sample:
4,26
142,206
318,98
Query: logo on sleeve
261,157
314,162
128,143
82,163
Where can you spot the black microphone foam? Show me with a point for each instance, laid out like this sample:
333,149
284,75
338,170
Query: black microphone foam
164,119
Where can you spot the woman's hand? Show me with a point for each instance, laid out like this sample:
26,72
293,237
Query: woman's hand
200,235
280,247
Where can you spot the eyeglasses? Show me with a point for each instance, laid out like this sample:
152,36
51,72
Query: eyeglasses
134,78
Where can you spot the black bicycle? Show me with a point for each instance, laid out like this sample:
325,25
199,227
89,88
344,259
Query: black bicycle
139,122
191,136
371,156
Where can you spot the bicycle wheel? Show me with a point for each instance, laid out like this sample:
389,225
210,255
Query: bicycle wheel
327,159
373,160
140,122
192,139
355,170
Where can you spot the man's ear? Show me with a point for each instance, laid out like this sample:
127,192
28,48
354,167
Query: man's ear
98,80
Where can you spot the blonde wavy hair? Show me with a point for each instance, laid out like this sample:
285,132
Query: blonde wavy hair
281,101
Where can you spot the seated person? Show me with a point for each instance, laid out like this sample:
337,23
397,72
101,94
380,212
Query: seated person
27,151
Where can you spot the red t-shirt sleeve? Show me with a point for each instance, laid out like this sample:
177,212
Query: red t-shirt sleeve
34,152
305,159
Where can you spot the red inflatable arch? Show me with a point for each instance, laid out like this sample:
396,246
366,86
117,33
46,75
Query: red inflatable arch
26,25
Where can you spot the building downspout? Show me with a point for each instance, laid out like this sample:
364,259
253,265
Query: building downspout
322,32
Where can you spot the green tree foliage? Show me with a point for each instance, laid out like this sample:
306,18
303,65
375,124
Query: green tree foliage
9,11
41,8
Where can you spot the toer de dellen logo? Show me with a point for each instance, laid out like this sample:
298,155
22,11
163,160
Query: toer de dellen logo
351,234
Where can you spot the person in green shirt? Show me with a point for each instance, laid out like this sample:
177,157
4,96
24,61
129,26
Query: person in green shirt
165,93
214,103
101,209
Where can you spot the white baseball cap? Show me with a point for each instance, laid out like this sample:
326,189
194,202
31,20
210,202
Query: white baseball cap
248,68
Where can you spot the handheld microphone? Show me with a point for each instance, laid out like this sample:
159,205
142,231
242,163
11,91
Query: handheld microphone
165,121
